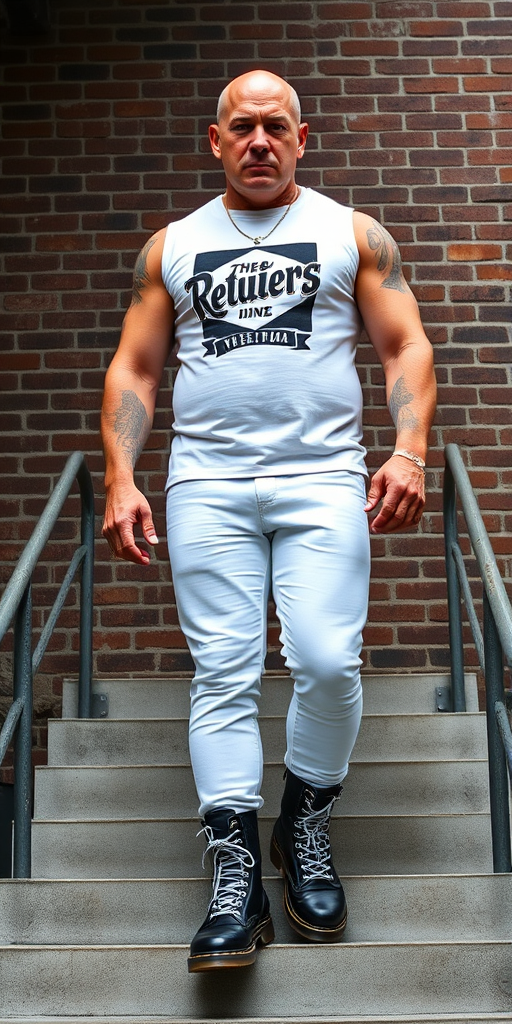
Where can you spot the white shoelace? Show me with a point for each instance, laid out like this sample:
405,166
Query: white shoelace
230,874
312,843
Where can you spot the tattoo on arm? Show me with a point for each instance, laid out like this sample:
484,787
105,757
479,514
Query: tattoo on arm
388,257
141,276
398,401
131,425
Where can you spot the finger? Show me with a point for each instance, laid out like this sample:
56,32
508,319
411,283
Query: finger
375,494
148,527
121,541
131,552
393,517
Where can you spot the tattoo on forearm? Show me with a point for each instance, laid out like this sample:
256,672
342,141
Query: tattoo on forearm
388,257
141,276
131,425
398,406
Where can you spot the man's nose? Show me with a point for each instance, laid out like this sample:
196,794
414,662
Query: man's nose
259,139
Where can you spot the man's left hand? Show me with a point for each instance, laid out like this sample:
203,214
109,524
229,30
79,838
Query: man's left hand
400,485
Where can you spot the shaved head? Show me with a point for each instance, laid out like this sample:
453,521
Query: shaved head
259,137
254,82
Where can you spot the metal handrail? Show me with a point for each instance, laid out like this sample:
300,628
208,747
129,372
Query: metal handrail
16,604
493,643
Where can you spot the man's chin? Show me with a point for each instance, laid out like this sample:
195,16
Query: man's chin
259,179
254,183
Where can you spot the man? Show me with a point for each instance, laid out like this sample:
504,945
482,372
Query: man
265,290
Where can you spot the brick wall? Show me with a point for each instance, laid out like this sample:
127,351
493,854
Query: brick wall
104,141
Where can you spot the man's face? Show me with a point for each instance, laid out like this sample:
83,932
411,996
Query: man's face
259,141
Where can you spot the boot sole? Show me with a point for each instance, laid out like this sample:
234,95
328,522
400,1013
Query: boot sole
303,928
263,934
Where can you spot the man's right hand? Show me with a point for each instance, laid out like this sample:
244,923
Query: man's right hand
126,506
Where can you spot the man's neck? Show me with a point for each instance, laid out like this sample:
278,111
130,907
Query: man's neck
235,200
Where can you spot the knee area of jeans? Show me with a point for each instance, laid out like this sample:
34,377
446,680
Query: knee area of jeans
324,681
226,692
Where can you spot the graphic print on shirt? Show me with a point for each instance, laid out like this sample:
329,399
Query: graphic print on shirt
255,296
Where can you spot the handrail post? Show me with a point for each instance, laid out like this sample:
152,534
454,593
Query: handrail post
498,777
458,696
86,594
22,852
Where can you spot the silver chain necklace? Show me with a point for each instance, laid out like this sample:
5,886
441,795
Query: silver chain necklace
261,238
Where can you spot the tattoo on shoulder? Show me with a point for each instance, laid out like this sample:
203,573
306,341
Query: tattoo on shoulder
131,425
388,257
141,276
399,400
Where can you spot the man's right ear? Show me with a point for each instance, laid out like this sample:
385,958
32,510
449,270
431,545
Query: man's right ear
214,137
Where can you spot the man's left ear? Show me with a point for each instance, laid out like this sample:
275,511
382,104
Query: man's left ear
303,134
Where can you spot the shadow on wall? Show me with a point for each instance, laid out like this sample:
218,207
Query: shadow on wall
27,17
6,816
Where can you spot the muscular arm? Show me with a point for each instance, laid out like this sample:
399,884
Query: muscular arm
131,387
392,320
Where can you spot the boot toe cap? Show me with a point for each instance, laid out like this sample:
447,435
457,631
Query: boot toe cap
319,915
224,934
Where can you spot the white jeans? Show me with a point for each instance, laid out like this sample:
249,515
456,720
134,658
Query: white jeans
230,541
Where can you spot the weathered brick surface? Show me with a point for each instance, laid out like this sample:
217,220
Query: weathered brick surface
103,141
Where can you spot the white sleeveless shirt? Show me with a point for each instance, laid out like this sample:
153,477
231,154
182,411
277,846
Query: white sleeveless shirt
267,338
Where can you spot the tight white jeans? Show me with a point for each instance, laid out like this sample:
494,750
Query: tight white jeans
230,542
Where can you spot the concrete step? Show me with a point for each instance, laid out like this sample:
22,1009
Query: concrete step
165,741
290,981
385,908
168,697
411,844
471,1018
458,1018
154,791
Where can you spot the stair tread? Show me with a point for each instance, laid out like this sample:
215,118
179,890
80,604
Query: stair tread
387,844
471,1018
406,907
415,691
119,791
381,737
457,977
486,1018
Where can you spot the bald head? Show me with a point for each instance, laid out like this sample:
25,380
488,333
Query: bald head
255,84
259,138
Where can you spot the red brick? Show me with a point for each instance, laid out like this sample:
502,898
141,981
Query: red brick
470,252
63,242
489,83
37,129
368,47
83,129
377,635
464,65
492,121
494,273
139,108
432,27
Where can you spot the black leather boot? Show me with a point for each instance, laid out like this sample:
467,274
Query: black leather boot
238,915
314,900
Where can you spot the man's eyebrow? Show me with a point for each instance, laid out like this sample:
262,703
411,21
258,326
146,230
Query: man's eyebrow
246,118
